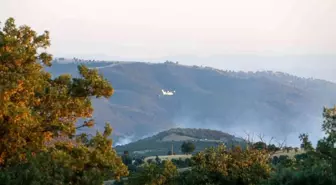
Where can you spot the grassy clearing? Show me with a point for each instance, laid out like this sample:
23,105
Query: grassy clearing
290,154
169,157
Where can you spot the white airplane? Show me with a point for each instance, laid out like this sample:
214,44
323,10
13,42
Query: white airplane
167,93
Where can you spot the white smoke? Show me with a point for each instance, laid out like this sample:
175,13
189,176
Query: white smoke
266,130
124,140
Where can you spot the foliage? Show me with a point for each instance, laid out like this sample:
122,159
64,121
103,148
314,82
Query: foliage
316,174
126,159
282,160
272,148
64,163
150,161
326,146
154,174
187,147
139,161
218,165
259,145
180,163
38,115
316,166
157,160
306,144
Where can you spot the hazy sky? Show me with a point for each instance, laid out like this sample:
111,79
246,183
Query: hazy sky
153,29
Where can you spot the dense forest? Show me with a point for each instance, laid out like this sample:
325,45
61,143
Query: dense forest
39,142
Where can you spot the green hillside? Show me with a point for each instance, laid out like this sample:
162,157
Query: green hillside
162,143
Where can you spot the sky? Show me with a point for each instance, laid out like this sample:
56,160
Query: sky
295,36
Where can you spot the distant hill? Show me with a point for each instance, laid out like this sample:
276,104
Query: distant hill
184,134
161,143
273,103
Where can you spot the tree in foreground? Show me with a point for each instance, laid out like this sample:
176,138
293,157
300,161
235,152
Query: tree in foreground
38,116
187,147
220,166
154,174
316,166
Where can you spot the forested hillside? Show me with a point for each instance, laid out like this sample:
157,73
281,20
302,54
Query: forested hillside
273,103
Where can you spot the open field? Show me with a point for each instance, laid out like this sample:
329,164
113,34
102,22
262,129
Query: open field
169,157
290,154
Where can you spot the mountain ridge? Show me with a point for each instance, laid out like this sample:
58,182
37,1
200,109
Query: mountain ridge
121,62
205,97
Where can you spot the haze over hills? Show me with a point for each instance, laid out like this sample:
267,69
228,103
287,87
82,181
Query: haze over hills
274,103
309,65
